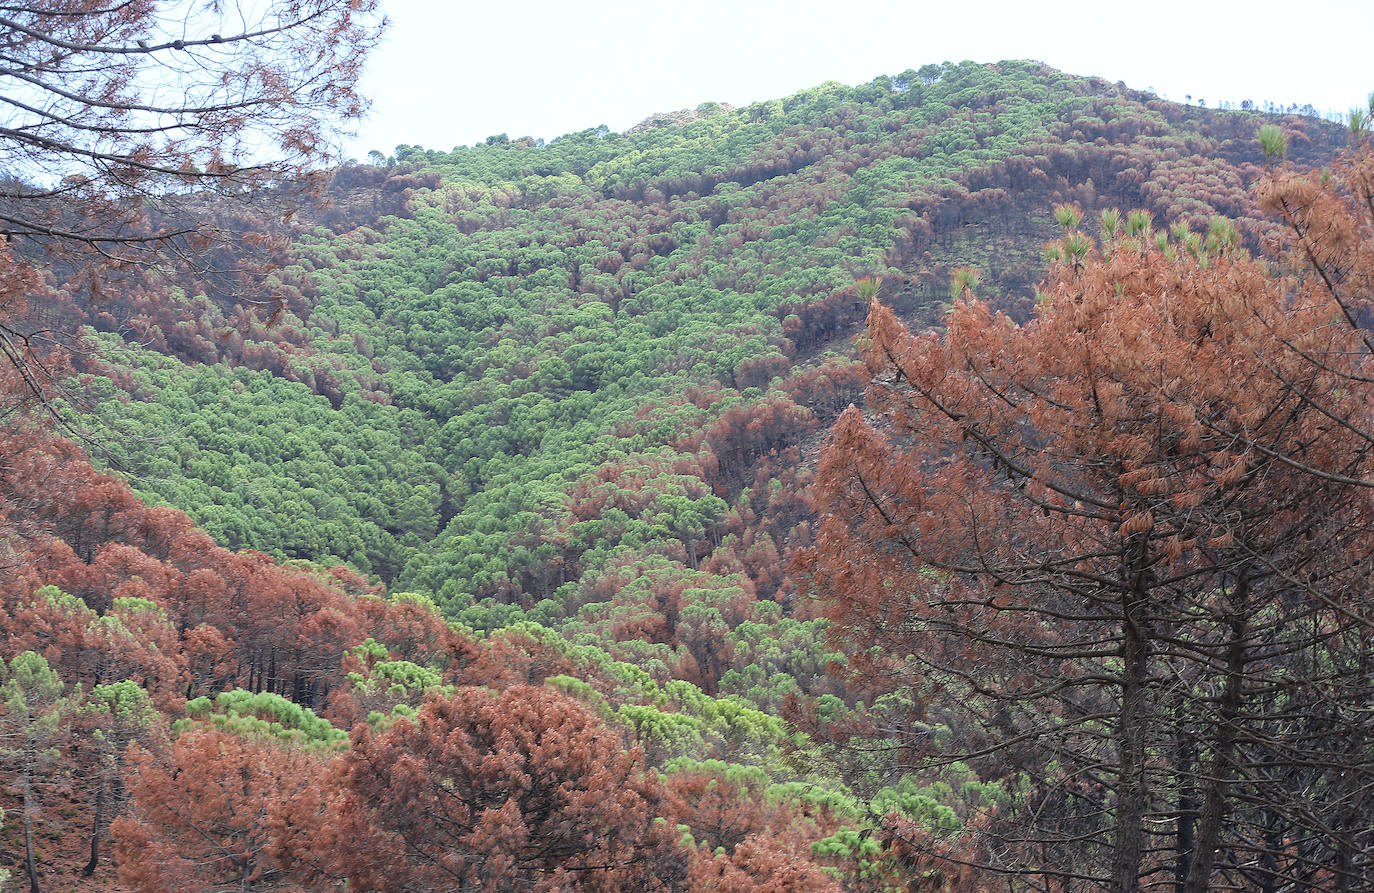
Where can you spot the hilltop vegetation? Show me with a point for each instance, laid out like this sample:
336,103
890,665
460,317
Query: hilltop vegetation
551,413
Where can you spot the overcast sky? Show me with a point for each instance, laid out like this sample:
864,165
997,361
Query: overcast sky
453,72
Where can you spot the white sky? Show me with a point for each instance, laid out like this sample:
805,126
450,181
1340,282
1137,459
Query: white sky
452,72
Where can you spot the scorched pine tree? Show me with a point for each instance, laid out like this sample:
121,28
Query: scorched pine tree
1119,557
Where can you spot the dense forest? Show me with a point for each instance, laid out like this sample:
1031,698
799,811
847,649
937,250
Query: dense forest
910,486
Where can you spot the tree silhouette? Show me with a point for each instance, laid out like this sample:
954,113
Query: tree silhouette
120,120
108,102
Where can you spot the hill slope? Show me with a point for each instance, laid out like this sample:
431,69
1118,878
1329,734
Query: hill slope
550,364
569,394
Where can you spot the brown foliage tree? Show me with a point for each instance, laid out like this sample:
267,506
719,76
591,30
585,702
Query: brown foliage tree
1131,537
757,865
132,641
523,790
209,812
720,807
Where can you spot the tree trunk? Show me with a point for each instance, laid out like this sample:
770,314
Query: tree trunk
30,864
1185,754
1214,802
95,830
1129,840
1347,826
1269,864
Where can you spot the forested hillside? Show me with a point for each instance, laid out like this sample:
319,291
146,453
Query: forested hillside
547,361
500,463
